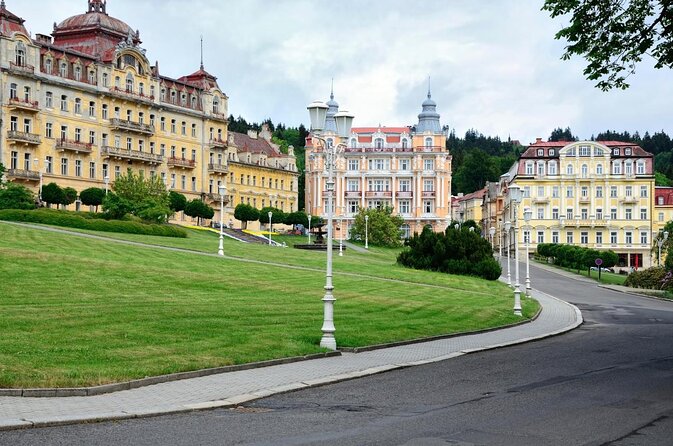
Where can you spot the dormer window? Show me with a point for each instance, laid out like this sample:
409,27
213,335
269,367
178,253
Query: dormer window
183,100
216,106
194,102
78,73
660,201
627,151
405,143
615,151
540,152
63,69
551,152
163,94
174,96
20,54
47,66
428,142
378,143
92,77
354,142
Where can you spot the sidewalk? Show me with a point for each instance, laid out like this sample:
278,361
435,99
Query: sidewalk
234,388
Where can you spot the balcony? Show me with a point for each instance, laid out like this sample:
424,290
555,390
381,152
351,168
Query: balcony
130,94
181,162
428,194
352,194
429,149
218,168
132,126
629,200
21,174
133,155
23,137
217,143
584,200
378,194
219,116
21,68
24,104
73,146
217,197
540,200
404,194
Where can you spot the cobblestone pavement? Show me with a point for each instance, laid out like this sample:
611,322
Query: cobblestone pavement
230,389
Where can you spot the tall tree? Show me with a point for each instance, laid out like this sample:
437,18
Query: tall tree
613,36
559,134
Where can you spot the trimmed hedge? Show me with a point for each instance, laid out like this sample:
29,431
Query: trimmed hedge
571,256
90,221
654,278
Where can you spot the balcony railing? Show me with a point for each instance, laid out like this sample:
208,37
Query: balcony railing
629,200
30,175
132,126
186,104
541,200
353,194
28,138
404,194
217,143
220,116
21,68
135,155
378,150
378,194
428,149
181,162
217,197
74,146
220,168
24,104
428,194
127,93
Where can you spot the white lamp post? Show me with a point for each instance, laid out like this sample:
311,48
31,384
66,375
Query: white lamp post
39,190
344,120
106,180
309,229
341,238
660,242
508,227
500,237
515,196
366,231
491,233
527,215
220,250
270,215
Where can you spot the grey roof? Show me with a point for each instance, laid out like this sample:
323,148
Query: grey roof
428,119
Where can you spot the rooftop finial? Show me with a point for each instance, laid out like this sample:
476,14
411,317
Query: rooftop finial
331,95
202,52
429,87
2,4
97,6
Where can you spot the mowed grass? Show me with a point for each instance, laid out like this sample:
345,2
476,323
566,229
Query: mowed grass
76,311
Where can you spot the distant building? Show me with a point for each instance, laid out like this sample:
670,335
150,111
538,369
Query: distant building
408,169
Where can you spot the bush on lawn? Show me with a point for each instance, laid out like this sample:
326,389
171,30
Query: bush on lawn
650,278
90,222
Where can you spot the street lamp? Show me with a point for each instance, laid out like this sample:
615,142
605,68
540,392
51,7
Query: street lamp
39,190
491,233
344,120
341,237
270,215
508,227
660,242
220,250
500,237
515,195
106,180
366,231
527,215
309,229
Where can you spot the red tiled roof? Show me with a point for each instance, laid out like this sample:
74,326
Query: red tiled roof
531,151
245,143
10,23
666,193
474,195
384,129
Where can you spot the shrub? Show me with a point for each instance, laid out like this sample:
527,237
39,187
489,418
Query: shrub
198,209
92,196
75,220
245,213
456,251
176,201
52,194
382,229
16,196
650,278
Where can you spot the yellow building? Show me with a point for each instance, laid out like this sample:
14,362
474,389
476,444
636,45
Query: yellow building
663,208
470,207
81,107
596,194
399,167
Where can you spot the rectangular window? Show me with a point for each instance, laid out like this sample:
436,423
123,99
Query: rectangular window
584,213
613,237
405,207
353,164
405,185
352,207
599,238
428,185
526,192
629,191
554,214
49,100
404,164
78,168
64,166
183,182
428,206
118,172
613,191
599,191
628,213
569,238
428,165
643,213
613,213
526,236
554,237
540,191
104,111
599,213
193,183
584,237
540,213
48,131
584,191
555,191
351,185
628,237
92,109
569,192
661,216
643,191
78,135
64,103
540,236
49,168
643,238
569,213
78,106
92,137
14,160
92,169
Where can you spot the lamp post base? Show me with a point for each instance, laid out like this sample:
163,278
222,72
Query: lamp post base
517,300
220,250
328,341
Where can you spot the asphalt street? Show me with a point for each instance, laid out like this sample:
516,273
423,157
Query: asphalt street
609,382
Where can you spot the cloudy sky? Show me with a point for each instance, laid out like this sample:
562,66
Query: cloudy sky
493,64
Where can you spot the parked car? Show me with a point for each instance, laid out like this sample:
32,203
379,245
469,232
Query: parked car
605,270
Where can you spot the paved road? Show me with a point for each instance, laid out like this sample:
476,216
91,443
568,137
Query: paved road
608,382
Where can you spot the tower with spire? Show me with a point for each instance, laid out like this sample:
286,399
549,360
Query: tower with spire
330,122
428,119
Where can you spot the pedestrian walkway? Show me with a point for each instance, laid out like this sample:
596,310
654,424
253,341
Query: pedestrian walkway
235,388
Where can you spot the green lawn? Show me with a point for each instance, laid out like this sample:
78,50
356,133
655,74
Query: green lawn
78,311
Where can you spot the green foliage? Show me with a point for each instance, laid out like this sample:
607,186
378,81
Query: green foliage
383,228
613,36
16,196
661,179
69,196
577,257
176,201
199,210
297,218
650,278
52,194
559,134
669,259
2,174
245,213
92,196
278,216
84,221
145,198
456,251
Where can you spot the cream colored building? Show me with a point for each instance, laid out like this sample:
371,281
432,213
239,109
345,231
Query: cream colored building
400,167
596,194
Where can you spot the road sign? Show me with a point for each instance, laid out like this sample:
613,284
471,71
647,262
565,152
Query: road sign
599,262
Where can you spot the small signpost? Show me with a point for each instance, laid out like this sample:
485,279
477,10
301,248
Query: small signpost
599,262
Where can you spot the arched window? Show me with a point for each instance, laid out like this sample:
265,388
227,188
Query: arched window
428,142
129,83
378,143
47,66
216,106
63,69
354,142
569,169
330,142
405,143
599,169
20,54
585,171
194,102
12,91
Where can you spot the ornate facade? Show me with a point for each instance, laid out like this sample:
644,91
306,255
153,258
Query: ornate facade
408,169
85,104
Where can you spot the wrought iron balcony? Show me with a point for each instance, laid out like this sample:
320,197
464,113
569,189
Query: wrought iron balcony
219,168
217,143
404,194
217,197
135,155
378,194
27,138
629,200
73,146
130,94
132,126
23,104
353,194
428,194
181,162
29,175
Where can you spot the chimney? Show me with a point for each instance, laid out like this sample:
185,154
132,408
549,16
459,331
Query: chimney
538,140
265,133
42,38
252,134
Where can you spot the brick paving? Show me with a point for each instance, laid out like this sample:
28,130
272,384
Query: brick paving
233,388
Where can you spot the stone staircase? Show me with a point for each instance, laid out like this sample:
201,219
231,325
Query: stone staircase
245,237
